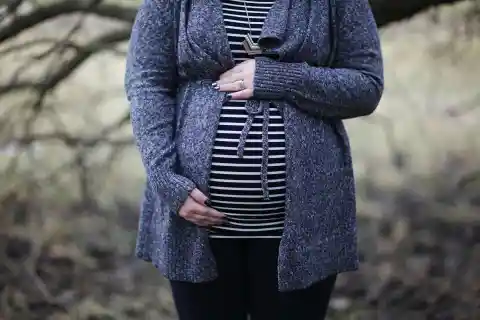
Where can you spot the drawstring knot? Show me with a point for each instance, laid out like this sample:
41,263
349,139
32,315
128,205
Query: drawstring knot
254,108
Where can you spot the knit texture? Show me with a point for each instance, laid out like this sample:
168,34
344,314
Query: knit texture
175,111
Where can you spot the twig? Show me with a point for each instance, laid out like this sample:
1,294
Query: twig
67,68
68,140
10,8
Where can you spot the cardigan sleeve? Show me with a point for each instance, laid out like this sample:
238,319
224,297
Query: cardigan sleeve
151,93
351,88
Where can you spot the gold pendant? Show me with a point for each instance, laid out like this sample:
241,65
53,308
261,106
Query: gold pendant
250,46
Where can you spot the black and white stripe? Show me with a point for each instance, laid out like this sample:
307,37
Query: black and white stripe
235,185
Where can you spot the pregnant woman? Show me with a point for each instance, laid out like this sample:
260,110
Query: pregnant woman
237,109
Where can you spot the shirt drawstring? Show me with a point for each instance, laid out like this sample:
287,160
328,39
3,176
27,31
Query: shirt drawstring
254,108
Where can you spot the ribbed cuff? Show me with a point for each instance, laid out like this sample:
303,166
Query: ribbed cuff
175,189
182,187
273,79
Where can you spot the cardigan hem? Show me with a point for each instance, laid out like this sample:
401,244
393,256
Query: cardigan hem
172,276
326,274
175,276
333,256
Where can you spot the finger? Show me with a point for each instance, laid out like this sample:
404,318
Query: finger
229,79
198,208
232,86
231,72
198,196
199,221
204,220
215,214
242,95
239,68
225,75
198,218
207,212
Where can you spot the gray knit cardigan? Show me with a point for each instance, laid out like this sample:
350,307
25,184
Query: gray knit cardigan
174,110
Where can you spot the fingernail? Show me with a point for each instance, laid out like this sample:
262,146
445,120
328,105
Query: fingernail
229,96
208,203
215,85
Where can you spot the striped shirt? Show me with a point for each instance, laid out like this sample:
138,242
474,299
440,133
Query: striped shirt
235,183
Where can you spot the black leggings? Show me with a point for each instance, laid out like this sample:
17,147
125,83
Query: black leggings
247,284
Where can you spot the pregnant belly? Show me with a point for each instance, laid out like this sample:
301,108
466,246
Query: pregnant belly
235,183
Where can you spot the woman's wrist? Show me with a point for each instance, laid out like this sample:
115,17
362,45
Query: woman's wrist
173,188
273,79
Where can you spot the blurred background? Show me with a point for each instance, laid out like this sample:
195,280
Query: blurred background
71,179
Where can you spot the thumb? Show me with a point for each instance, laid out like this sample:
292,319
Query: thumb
198,196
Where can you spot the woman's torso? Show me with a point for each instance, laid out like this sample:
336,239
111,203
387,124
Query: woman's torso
235,182
319,236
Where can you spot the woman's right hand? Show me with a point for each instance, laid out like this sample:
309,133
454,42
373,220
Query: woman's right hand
196,211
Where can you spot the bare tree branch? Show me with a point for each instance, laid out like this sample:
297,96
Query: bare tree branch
65,7
69,140
66,69
10,8
387,11
33,43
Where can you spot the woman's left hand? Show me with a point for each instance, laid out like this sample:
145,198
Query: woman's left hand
238,81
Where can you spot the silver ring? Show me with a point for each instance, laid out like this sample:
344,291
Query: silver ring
242,85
